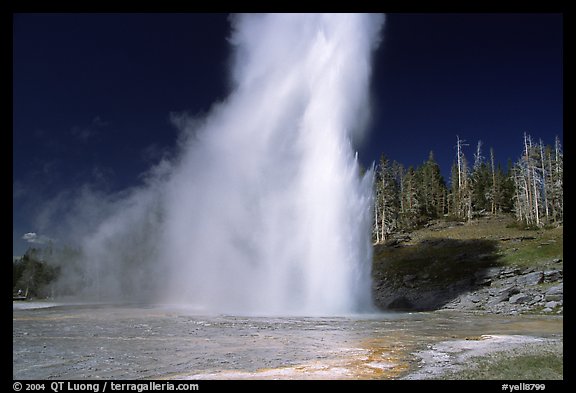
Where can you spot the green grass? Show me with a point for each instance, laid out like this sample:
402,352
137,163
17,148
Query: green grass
447,252
443,262
547,245
539,363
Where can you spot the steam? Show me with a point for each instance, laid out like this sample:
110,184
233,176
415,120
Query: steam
264,209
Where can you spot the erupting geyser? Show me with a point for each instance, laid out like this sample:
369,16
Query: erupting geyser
264,210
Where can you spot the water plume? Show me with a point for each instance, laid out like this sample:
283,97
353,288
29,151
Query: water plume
264,210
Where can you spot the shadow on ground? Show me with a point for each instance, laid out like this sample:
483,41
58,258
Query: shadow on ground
428,275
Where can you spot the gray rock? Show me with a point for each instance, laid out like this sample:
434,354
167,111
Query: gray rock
474,298
519,298
556,260
556,290
532,301
547,310
508,291
536,299
493,291
497,299
509,272
552,275
555,293
530,279
551,304
555,298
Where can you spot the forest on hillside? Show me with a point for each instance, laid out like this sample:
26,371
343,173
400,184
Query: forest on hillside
531,189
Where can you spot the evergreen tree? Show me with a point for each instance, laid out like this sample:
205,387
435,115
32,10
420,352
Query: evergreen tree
453,194
504,192
532,188
409,216
399,171
387,202
32,274
479,182
431,189
481,189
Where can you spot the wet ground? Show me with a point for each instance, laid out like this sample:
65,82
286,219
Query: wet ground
151,342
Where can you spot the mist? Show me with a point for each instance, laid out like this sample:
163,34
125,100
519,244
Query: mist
263,209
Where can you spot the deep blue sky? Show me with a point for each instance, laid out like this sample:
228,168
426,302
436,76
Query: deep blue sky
92,93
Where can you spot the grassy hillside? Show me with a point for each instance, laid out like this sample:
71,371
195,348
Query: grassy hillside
454,254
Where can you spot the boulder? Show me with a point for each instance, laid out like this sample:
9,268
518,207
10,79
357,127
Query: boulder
551,304
556,290
508,291
555,293
530,279
497,299
519,298
554,298
510,271
500,295
536,299
552,275
474,298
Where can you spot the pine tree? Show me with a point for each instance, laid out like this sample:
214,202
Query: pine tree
386,207
480,180
431,189
409,215
532,188
453,194
399,171
504,190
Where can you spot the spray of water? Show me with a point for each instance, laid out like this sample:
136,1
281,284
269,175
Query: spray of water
264,210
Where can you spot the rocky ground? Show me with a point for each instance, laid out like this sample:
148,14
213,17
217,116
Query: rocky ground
497,290
511,290
487,266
